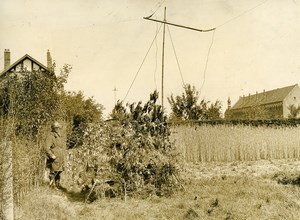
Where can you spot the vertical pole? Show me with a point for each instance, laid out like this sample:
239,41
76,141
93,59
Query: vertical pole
163,59
8,201
115,95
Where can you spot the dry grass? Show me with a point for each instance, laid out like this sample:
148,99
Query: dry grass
239,190
236,143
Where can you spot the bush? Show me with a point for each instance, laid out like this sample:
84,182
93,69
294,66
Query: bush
80,111
130,154
31,99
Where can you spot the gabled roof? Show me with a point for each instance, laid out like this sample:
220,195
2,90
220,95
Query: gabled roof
26,56
272,96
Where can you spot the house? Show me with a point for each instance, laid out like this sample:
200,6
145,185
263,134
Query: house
26,62
25,65
273,104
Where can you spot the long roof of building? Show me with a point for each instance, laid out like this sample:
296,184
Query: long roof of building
267,97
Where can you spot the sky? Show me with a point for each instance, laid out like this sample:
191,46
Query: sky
255,46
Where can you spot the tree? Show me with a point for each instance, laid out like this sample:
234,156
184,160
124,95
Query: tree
214,111
32,99
79,112
119,111
294,111
187,106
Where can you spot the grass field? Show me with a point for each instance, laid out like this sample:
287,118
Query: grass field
239,190
229,173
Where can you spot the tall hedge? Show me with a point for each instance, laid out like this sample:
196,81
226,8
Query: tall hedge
131,154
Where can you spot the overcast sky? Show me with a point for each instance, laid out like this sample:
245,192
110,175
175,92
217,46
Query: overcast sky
255,46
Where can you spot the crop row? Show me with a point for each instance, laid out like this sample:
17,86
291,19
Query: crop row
236,143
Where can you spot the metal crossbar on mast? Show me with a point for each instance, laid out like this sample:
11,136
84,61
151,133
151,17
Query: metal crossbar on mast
181,26
163,49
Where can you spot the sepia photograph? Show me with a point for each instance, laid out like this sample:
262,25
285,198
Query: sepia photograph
149,109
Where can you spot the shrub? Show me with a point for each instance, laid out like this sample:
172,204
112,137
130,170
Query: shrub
80,111
30,100
130,154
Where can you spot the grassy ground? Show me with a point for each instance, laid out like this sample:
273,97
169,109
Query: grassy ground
236,190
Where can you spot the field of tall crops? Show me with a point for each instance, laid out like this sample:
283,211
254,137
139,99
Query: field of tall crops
223,143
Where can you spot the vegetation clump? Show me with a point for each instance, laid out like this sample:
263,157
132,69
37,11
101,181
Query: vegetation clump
187,107
29,102
131,154
287,179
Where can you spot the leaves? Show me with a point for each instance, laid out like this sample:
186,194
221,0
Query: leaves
80,111
32,99
133,148
294,111
186,106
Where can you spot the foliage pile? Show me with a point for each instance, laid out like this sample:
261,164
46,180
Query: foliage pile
79,112
130,154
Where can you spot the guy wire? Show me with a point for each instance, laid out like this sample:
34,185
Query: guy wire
142,63
206,63
176,56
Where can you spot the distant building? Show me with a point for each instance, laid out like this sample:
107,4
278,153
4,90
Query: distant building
26,62
273,104
25,65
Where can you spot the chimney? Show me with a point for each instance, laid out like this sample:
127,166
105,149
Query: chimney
6,59
49,60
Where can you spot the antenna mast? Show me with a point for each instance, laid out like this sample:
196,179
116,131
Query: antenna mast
115,95
163,62
163,49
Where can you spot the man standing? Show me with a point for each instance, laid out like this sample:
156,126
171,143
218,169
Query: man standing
54,149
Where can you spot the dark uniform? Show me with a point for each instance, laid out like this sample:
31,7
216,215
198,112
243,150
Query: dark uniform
54,149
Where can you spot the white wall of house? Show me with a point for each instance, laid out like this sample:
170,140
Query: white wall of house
293,98
27,64
35,67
